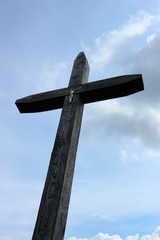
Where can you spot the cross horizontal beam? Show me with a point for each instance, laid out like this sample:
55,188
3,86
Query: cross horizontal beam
89,92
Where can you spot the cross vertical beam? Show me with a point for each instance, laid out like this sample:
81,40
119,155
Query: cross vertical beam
52,215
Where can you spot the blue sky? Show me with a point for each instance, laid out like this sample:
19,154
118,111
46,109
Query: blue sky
115,192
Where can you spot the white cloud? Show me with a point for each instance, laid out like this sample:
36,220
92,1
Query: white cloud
132,155
146,61
123,156
2,94
150,38
52,75
108,44
154,236
152,155
116,120
138,116
85,47
5,238
135,237
99,236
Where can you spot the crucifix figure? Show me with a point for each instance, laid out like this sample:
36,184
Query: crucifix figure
53,210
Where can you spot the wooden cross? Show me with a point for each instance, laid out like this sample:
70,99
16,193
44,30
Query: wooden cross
53,210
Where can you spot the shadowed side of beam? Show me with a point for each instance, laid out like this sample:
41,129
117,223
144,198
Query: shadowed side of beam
42,101
111,88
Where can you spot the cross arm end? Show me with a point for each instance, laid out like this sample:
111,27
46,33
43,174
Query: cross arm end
112,88
42,102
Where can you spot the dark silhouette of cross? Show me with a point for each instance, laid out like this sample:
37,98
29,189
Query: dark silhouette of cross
53,210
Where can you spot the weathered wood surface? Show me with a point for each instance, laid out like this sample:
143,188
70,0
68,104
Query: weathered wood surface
111,88
51,220
90,92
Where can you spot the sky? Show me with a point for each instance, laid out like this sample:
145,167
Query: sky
115,193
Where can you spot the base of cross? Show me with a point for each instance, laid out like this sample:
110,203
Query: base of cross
53,210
